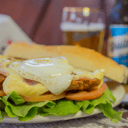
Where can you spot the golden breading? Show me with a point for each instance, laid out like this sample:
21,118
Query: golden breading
2,78
84,84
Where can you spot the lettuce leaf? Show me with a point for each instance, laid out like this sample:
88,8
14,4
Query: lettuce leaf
63,107
107,97
109,112
14,106
104,103
15,98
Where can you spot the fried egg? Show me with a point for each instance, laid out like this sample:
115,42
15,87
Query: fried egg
54,73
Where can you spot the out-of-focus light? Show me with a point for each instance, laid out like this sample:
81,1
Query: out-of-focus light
73,9
86,11
66,9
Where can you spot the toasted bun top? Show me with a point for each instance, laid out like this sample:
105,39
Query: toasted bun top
79,57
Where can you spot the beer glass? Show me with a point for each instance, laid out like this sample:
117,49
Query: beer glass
83,26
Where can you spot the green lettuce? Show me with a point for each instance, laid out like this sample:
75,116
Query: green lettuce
13,105
109,112
16,107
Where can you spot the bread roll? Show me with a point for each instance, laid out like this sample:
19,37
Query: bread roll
79,57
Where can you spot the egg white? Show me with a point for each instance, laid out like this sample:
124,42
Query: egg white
53,73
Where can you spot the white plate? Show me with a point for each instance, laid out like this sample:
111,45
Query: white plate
117,90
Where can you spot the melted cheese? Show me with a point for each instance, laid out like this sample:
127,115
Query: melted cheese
15,83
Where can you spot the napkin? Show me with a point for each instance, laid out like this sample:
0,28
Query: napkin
9,30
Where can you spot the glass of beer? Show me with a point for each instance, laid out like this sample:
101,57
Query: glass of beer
84,27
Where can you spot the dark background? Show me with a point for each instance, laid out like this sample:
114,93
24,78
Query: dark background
40,19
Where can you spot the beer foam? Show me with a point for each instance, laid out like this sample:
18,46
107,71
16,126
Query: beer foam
82,27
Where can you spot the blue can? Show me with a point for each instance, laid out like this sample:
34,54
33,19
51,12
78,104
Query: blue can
118,43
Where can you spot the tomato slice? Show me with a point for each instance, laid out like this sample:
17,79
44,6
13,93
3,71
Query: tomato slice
45,97
79,96
84,95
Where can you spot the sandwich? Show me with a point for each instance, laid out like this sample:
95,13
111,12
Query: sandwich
56,81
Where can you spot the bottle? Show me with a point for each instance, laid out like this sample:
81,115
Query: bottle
118,33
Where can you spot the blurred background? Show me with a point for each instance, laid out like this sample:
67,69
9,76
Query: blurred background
41,19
